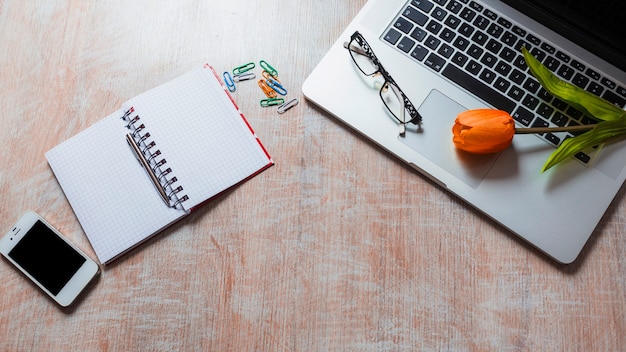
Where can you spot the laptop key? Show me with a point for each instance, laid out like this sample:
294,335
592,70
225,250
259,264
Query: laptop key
509,38
608,83
406,44
439,14
552,138
445,50
490,14
392,36
614,98
432,42
481,22
516,93
419,34
559,119
461,43
517,76
583,157
415,16
487,76
403,24
419,53
565,72
468,14
435,62
563,57
523,116
447,35
548,48
454,7
481,90
580,80
423,5
502,84
452,22
474,67
504,22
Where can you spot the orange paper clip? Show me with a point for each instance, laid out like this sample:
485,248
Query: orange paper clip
269,92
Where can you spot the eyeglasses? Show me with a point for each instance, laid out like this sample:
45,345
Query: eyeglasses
397,103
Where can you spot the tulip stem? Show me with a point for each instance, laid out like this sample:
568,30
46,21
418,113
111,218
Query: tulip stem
553,129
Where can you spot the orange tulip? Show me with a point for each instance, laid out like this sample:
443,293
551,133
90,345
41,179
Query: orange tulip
483,131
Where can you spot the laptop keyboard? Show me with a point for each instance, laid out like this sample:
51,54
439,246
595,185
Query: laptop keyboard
480,50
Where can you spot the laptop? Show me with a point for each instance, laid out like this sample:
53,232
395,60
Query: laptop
448,56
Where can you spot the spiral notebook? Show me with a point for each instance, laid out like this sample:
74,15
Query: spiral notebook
151,163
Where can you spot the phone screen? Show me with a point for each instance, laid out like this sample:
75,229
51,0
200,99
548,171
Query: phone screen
46,257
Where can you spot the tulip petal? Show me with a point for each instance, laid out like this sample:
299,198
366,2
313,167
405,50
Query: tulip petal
483,131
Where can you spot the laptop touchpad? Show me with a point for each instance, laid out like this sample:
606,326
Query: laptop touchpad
434,140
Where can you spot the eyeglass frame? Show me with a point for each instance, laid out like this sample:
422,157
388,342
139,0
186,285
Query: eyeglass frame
367,51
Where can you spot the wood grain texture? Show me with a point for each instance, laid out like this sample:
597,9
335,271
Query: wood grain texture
337,247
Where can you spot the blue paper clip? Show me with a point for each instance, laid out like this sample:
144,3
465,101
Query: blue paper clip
277,87
267,67
243,68
229,82
288,105
271,102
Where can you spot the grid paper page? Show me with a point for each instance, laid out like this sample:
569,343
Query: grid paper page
112,196
201,134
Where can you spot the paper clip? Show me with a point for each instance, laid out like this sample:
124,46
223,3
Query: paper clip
288,105
269,92
229,82
271,102
277,87
267,75
243,68
244,76
267,67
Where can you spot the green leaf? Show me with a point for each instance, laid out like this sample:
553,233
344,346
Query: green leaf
604,131
588,103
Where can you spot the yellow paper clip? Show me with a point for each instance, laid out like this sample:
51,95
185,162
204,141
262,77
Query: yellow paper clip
288,105
243,68
277,87
268,76
267,67
269,92
271,102
229,82
244,76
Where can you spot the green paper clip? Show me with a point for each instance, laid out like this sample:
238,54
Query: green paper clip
267,67
271,102
243,68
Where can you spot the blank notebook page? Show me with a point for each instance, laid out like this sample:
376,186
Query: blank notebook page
199,131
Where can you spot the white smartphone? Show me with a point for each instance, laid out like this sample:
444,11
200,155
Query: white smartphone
55,265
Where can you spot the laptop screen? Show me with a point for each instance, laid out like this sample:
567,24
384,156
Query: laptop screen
597,25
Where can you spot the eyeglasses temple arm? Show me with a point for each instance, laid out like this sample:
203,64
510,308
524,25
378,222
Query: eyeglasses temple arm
354,49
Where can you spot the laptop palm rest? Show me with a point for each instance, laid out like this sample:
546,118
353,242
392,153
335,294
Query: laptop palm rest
433,140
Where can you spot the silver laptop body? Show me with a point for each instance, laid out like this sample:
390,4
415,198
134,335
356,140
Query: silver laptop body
556,211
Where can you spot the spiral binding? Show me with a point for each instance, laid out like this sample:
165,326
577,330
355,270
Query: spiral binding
164,180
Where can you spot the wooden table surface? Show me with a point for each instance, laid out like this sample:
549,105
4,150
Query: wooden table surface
338,247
